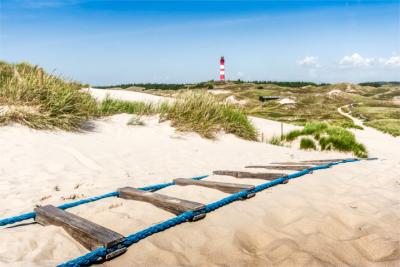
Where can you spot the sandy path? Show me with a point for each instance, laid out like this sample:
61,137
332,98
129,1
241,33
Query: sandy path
344,216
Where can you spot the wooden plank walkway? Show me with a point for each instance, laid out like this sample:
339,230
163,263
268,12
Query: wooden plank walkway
93,236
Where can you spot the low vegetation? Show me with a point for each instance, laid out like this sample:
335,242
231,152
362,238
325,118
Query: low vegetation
276,141
196,111
146,86
380,115
114,106
390,126
307,144
30,96
329,138
136,121
202,113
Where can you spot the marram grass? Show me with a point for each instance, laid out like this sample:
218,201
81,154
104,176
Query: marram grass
201,112
307,144
30,96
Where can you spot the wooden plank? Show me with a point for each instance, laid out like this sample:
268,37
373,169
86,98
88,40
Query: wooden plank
89,234
229,188
325,160
292,163
250,175
282,167
171,204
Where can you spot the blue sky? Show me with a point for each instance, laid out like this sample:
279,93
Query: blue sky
108,42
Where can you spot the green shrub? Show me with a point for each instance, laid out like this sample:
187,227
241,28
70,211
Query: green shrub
307,143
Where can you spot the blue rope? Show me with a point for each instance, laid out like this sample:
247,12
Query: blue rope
31,215
87,200
19,218
93,256
87,259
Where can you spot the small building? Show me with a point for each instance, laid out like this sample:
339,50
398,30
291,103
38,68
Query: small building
268,98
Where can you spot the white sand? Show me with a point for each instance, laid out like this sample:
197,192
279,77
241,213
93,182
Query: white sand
287,101
334,92
232,100
346,215
101,94
396,100
219,92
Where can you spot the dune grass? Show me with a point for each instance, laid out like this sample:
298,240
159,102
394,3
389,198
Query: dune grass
111,106
275,140
201,112
329,138
390,126
307,144
30,96
196,111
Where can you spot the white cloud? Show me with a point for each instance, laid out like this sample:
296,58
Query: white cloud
356,60
308,61
393,61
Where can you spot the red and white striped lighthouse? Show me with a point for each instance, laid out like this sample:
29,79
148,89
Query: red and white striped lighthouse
222,69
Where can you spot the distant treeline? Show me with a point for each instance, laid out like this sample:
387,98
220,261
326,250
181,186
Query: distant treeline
285,84
208,84
146,86
379,84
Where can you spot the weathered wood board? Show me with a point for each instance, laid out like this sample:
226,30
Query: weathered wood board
229,188
171,204
89,234
292,163
325,160
250,175
282,167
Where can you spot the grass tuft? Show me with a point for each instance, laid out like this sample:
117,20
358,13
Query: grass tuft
307,144
201,112
276,141
114,106
136,121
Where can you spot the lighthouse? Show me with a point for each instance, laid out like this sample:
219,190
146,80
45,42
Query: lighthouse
222,69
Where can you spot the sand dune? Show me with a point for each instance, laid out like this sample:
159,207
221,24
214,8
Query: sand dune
344,216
